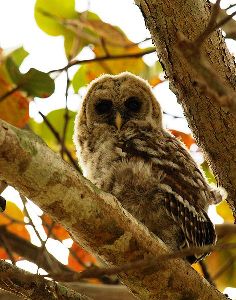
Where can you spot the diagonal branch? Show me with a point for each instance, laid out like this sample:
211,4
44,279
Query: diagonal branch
95,219
30,286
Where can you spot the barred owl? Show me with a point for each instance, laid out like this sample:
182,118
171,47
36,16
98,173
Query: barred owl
123,149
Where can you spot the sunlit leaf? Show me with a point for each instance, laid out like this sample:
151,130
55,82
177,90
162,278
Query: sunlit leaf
15,108
222,265
78,29
13,70
56,118
35,83
198,268
58,231
111,35
152,73
82,255
87,73
13,218
187,139
225,212
208,173
80,78
3,253
50,15
19,55
154,81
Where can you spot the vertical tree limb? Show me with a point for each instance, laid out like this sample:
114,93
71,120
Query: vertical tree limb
213,127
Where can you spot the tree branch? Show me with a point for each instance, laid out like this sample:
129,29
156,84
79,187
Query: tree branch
30,286
102,58
95,291
95,219
213,128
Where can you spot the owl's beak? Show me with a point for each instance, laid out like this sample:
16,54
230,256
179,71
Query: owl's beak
118,121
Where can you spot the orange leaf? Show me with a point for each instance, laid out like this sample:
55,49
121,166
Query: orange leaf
154,81
82,255
198,268
11,216
187,139
3,253
59,232
15,108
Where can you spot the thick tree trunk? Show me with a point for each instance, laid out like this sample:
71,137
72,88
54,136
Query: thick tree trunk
95,219
213,127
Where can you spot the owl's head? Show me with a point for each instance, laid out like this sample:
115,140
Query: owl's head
118,100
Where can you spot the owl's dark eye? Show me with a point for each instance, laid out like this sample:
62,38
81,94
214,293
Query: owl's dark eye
103,107
133,104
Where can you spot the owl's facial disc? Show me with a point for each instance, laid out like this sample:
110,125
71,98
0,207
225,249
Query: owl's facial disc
118,114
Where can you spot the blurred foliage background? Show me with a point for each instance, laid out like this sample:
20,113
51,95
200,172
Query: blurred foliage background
28,237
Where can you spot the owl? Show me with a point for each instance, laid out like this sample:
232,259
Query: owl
124,150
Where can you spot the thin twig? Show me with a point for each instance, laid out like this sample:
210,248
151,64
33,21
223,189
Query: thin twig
9,93
101,58
173,116
104,46
77,258
205,272
230,6
57,136
66,116
7,248
209,83
211,24
72,252
24,201
225,267
224,21
43,246
25,249
30,286
95,272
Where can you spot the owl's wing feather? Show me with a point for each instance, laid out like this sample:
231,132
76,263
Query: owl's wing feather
186,190
197,227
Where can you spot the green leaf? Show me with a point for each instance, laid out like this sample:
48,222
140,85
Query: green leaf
56,118
13,70
19,55
79,80
208,173
50,15
72,44
35,83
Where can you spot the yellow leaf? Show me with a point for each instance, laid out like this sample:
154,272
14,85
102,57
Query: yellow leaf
11,216
225,212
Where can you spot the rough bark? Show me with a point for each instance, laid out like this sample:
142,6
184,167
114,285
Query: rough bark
213,127
30,286
95,219
95,291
